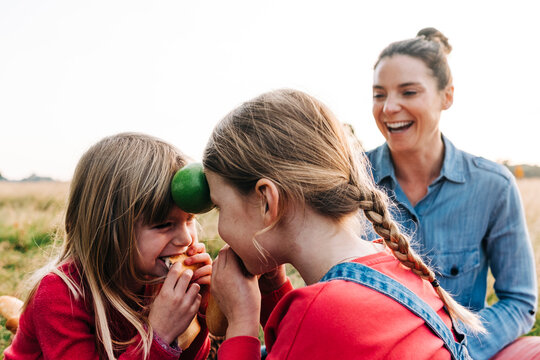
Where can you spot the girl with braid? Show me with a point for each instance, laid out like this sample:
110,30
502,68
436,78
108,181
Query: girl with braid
288,184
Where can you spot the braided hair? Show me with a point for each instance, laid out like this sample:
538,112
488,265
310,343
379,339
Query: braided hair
293,139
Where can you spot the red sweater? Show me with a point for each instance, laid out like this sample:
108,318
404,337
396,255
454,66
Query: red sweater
56,326
345,320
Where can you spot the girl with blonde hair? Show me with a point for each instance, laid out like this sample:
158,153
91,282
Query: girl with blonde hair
103,297
288,185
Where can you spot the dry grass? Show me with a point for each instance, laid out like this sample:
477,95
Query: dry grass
31,213
530,191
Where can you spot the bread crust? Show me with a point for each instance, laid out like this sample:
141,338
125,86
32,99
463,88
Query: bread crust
215,319
11,308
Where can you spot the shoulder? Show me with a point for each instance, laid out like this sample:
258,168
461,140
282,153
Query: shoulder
480,172
488,168
62,286
376,154
344,318
326,302
317,317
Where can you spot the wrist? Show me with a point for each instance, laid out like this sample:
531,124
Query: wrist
267,287
164,338
243,328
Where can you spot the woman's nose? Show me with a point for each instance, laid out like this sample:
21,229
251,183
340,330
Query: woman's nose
391,105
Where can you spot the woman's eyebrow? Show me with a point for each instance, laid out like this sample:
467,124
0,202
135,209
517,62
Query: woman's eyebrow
408,84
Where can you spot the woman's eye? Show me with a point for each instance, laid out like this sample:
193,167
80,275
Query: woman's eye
378,96
409,93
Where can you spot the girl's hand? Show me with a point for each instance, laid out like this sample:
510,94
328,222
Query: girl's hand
175,305
273,279
237,294
198,255
202,276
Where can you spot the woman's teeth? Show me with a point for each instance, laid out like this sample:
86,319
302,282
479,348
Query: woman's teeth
399,126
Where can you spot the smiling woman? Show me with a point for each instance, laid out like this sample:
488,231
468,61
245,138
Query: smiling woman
463,211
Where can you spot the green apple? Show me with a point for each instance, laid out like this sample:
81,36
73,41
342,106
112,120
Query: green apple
190,189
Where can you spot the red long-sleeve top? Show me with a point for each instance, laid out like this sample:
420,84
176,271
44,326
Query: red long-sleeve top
55,325
345,320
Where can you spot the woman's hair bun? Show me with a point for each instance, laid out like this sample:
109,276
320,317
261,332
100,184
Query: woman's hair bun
432,34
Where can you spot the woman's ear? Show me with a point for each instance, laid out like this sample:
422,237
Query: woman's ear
448,97
269,195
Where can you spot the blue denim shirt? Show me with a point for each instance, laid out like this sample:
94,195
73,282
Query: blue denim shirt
470,220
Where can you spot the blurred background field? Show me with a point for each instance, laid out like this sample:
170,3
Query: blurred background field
31,215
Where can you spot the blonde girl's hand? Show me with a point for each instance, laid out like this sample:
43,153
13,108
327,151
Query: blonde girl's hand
198,255
203,274
237,294
175,305
273,279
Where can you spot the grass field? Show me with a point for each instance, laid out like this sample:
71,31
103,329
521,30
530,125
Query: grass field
31,214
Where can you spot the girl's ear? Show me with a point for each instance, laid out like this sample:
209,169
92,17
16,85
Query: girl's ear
448,97
269,194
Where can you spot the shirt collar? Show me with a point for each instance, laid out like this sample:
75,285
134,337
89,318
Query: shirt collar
453,167
384,164
453,164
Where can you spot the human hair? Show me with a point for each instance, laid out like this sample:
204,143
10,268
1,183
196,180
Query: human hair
294,140
119,181
430,46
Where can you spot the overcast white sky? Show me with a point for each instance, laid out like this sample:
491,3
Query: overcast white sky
72,72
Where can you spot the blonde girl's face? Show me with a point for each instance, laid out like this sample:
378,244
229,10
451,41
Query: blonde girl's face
239,221
158,241
407,103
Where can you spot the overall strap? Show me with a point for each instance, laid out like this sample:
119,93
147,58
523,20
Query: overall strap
384,284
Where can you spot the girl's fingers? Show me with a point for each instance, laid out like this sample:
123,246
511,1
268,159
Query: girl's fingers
196,248
202,275
183,281
204,280
173,277
199,258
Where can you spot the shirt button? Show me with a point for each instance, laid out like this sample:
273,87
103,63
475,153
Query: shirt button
454,271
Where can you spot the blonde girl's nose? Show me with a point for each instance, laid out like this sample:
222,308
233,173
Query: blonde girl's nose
182,235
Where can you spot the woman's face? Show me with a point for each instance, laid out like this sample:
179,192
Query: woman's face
158,241
407,103
239,220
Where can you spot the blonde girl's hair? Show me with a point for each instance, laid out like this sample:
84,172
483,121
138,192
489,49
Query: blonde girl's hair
119,181
294,140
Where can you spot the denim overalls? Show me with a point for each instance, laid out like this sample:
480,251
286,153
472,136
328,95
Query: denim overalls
384,284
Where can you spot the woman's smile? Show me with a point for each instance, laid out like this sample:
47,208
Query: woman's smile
398,126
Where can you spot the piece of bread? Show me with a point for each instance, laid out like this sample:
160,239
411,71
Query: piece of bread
10,308
186,338
12,324
215,319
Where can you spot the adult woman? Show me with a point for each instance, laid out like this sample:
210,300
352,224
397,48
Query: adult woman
464,212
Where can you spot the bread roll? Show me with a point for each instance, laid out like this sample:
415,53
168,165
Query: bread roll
215,319
10,308
186,338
